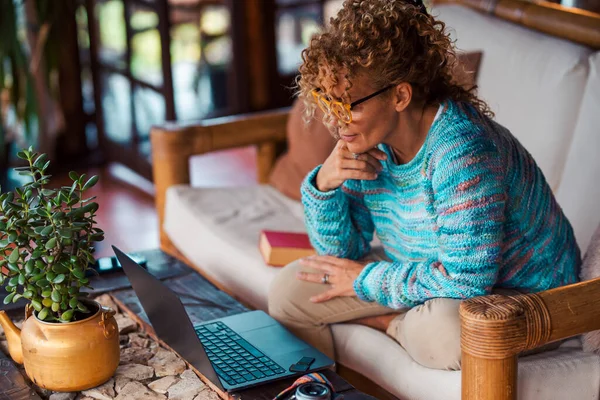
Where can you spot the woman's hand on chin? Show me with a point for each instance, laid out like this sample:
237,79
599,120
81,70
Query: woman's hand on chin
338,273
342,165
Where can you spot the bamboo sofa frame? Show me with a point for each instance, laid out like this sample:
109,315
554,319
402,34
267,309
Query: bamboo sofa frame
495,328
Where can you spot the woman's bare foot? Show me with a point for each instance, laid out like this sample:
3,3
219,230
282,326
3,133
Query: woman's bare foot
380,322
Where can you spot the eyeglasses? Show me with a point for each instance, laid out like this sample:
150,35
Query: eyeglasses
343,111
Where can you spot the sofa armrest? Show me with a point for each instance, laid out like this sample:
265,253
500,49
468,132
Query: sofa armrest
496,328
174,143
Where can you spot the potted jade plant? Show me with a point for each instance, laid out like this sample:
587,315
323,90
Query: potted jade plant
67,342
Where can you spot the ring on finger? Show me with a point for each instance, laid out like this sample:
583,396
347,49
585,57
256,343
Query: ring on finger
325,279
355,155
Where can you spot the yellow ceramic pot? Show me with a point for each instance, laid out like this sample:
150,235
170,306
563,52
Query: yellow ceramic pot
66,357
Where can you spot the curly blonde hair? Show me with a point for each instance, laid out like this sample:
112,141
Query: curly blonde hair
393,41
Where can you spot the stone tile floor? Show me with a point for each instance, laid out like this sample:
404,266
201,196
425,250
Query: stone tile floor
146,370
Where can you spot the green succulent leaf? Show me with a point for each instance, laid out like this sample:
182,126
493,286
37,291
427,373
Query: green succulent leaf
28,294
65,233
67,315
47,293
56,296
13,281
29,266
91,182
50,244
47,231
37,306
22,222
73,175
8,298
78,273
97,237
13,267
55,307
36,278
47,302
59,216
42,283
14,255
17,297
59,278
81,307
21,279
60,269
39,160
73,302
43,313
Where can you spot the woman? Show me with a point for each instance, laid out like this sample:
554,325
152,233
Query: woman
460,207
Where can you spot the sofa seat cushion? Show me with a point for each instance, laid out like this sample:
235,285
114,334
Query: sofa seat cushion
218,229
565,373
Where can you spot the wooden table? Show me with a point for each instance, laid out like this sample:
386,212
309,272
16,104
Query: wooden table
205,302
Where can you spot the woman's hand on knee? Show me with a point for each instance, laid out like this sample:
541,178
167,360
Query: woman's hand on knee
338,273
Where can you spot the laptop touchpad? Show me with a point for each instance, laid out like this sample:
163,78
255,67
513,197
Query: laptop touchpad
274,339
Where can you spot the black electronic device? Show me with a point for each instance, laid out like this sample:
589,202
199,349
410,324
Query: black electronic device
107,265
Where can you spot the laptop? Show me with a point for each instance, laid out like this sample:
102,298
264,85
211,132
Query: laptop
235,352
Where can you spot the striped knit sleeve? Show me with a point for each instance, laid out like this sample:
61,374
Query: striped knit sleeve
337,221
468,198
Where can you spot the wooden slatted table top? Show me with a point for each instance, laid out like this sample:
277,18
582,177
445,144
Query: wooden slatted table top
204,302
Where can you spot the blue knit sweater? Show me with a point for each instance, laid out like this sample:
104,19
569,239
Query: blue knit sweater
471,211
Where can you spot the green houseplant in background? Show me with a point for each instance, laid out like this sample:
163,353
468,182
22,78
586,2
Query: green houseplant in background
17,95
40,85
47,238
46,245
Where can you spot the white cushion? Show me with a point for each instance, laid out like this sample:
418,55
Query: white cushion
218,229
565,373
579,192
533,82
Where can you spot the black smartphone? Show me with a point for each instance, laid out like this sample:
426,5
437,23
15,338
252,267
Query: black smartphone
107,265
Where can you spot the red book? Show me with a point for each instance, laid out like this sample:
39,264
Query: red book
281,248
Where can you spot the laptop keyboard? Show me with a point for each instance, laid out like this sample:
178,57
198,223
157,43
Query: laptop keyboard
233,358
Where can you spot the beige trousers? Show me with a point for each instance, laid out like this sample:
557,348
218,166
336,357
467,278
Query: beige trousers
430,333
